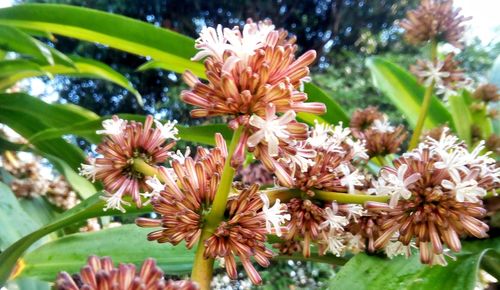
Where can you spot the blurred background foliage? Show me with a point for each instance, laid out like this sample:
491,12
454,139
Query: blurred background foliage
343,32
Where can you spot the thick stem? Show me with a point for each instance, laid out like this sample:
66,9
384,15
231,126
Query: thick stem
141,166
202,267
425,104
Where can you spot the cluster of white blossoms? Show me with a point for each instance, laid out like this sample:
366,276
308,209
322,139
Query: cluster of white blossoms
468,175
213,42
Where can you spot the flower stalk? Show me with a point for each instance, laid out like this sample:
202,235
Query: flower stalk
425,104
202,267
143,167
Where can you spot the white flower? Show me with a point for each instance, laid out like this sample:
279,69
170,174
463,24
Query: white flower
445,142
453,162
245,43
350,179
114,126
358,149
396,185
89,171
275,216
335,243
466,190
396,248
354,211
179,156
433,73
320,134
271,130
340,134
168,130
333,221
115,201
156,188
382,125
211,43
303,158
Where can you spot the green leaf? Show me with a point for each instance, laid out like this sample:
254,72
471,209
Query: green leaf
127,244
334,112
12,39
19,66
28,115
81,185
201,134
480,117
89,208
405,93
94,69
462,117
112,30
14,221
364,272
72,67
39,209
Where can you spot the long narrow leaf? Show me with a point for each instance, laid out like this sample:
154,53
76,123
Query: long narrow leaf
112,30
12,39
125,244
405,93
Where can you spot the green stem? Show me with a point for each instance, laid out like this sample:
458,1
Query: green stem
141,166
202,267
348,198
380,160
425,104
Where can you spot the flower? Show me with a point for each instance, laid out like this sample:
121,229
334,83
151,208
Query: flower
247,70
434,19
441,198
115,201
333,221
243,234
351,179
167,130
117,153
330,167
487,93
275,216
465,190
446,75
272,129
113,126
101,274
396,183
363,119
156,187
382,125
188,190
379,137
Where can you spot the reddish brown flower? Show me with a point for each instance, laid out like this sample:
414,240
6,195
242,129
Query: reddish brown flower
362,119
380,137
187,195
246,71
487,93
123,142
434,19
101,274
242,235
440,184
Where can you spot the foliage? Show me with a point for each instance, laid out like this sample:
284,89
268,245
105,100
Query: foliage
44,126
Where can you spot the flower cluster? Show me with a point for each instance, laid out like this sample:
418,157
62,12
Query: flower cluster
101,274
124,142
445,75
435,197
186,194
332,166
434,19
247,70
380,137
